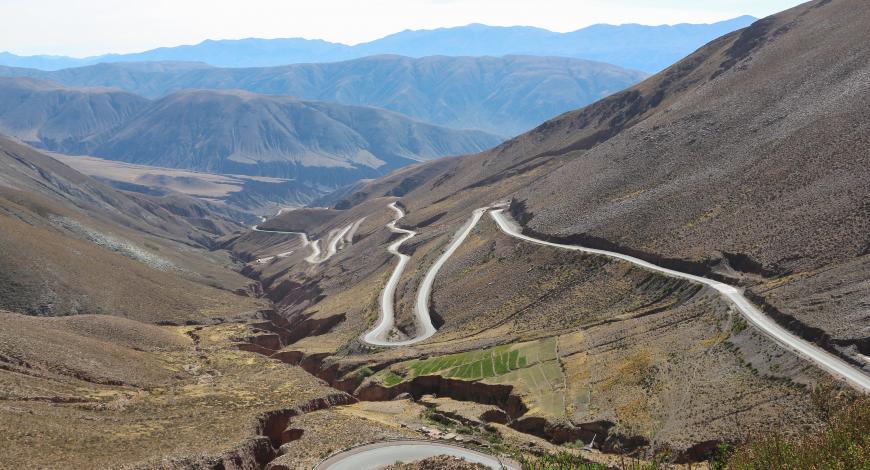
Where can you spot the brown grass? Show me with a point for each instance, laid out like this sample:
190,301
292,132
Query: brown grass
197,401
843,444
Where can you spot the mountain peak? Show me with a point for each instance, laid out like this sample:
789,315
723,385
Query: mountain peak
646,48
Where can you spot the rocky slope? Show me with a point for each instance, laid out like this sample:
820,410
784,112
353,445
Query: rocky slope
536,345
747,159
94,391
321,145
745,162
244,133
760,163
72,245
93,371
55,117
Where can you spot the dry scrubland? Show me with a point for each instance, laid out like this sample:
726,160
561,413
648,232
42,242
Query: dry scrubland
71,245
342,293
740,161
48,273
330,431
579,339
756,191
235,195
102,392
723,165
192,183
650,353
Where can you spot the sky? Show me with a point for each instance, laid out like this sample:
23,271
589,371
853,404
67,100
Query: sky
91,27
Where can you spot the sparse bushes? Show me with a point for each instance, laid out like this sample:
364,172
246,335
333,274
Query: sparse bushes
392,379
571,461
558,461
738,325
844,443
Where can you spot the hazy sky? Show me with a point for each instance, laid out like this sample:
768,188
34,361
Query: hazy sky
90,27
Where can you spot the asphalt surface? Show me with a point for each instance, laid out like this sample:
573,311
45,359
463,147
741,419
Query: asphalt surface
820,357
332,246
316,256
387,453
425,328
377,336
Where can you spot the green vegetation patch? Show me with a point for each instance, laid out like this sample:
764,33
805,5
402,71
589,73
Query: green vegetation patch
532,367
392,379
364,372
485,363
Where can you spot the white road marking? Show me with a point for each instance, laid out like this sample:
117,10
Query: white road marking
377,336
825,360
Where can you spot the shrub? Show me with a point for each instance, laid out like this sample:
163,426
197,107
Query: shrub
844,443
392,379
558,461
364,372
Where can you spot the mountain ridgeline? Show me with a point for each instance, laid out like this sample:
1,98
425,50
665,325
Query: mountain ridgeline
72,245
746,162
59,118
324,144
239,132
633,46
500,95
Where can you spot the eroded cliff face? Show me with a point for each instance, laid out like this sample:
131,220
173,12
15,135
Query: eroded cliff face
269,432
511,406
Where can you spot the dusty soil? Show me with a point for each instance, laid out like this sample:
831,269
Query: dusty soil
746,160
71,245
260,195
646,354
726,164
441,462
72,398
326,432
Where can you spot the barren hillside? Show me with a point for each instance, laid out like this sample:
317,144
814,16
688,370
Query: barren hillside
746,162
457,299
72,245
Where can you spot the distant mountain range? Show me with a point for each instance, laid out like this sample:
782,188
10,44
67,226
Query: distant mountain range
646,48
323,144
504,95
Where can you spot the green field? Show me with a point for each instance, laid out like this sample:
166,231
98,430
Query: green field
530,367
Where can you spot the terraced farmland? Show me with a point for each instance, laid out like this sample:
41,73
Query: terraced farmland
532,368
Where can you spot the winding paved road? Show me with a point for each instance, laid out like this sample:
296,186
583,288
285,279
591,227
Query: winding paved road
377,336
316,256
823,359
332,246
382,454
